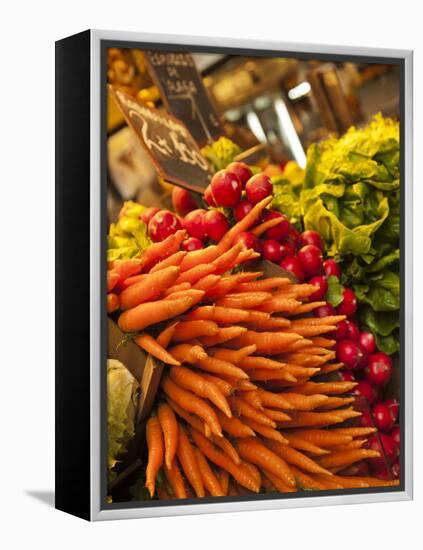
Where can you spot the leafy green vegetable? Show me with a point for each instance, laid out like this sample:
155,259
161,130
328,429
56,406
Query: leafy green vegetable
334,294
122,398
221,153
128,237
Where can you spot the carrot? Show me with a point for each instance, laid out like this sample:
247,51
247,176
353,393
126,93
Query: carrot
318,419
164,338
224,481
327,388
303,445
252,398
262,284
224,386
197,257
223,261
195,295
306,308
376,482
225,334
276,400
267,342
159,251
243,225
187,458
216,366
192,381
211,482
257,362
132,280
230,355
265,324
323,342
345,458
155,446
256,452
265,431
328,481
317,321
356,444
278,304
244,256
240,474
188,330
150,345
175,479
234,427
278,484
207,282
331,367
218,314
195,273
191,403
199,425
173,260
176,288
307,330
187,353
260,229
335,402
127,268
322,438
304,402
169,427
276,416
346,414
253,470
349,482
150,313
243,408
244,300
355,431
243,385
112,280
264,375
292,456
248,276
112,302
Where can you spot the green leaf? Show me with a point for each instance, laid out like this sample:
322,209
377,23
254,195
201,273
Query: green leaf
334,294
388,344
382,323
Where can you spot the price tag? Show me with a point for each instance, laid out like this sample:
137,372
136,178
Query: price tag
168,142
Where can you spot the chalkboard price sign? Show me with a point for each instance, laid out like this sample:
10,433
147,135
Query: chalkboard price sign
184,94
168,142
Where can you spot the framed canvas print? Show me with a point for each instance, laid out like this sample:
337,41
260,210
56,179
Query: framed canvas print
233,275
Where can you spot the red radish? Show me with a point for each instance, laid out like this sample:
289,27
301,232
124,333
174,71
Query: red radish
288,249
350,353
353,332
331,268
272,250
311,258
384,418
163,224
366,390
295,237
379,368
321,282
192,243
148,214
324,311
312,237
215,224
394,407
366,420
293,264
395,433
396,469
381,471
249,240
385,445
280,231
258,188
362,468
208,197
346,376
349,304
241,170
367,342
225,188
193,222
182,200
242,209
341,332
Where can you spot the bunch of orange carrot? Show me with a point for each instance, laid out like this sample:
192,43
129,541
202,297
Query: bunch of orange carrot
244,405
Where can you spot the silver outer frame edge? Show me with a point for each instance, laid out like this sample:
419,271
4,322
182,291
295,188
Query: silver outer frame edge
95,273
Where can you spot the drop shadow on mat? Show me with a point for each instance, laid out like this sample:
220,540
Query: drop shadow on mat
45,497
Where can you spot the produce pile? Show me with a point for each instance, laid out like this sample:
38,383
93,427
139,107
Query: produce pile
249,400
